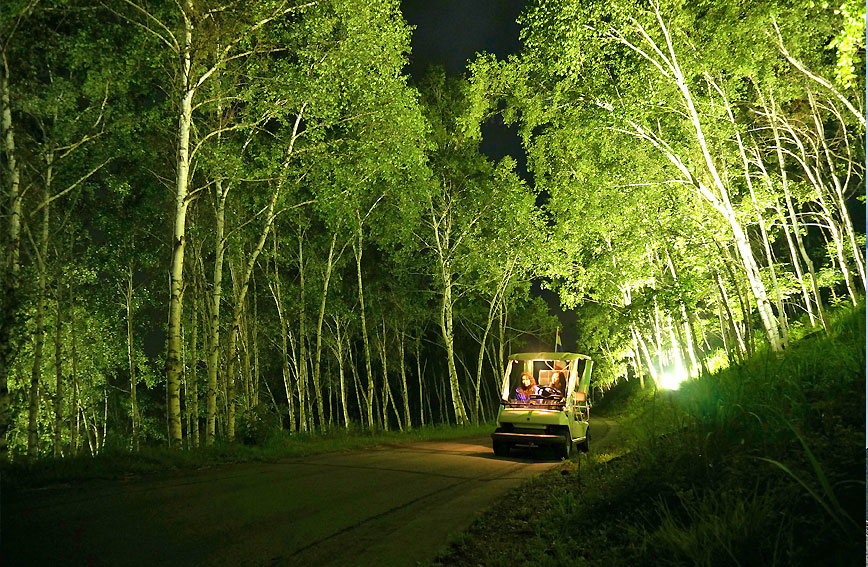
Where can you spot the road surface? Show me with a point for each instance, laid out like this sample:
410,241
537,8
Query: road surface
388,505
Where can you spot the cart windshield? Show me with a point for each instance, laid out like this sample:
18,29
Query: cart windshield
537,382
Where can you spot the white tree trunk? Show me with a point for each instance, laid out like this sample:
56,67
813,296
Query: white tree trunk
446,327
10,256
321,316
338,349
404,393
668,65
58,373
39,334
182,178
369,399
134,406
213,328
773,120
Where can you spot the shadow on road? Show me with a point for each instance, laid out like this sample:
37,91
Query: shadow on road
524,455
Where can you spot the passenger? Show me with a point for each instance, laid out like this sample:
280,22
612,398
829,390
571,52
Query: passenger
526,389
558,383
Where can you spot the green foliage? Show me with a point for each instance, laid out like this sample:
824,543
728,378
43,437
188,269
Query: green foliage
849,43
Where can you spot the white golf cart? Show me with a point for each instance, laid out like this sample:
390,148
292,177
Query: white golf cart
552,410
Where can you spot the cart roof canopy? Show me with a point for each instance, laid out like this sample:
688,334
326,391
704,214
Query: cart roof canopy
548,356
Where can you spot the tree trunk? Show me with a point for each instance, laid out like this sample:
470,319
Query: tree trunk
134,407
377,407
173,362
489,322
387,390
249,394
662,359
213,328
242,294
651,368
58,373
369,399
361,400
793,255
439,392
287,375
815,177
782,317
104,417
501,341
185,389
769,321
330,395
838,243
637,362
418,342
441,230
302,340
670,68
193,408
685,324
91,442
256,387
278,301
321,316
299,387
446,327
405,395
39,335
338,349
837,197
796,263
773,120
11,261
858,254
73,339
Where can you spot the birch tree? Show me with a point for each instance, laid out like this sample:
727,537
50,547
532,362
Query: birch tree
200,40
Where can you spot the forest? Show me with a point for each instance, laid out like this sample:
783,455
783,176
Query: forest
224,219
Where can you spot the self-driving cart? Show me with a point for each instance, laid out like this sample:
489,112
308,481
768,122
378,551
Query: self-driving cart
544,402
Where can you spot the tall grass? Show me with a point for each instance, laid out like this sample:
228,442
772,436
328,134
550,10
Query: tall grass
780,440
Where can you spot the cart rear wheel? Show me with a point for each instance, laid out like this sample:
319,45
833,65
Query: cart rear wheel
501,449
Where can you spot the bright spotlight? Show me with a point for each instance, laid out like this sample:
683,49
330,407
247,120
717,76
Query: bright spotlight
671,380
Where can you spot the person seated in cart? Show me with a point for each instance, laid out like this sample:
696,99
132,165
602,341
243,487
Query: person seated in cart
526,389
559,384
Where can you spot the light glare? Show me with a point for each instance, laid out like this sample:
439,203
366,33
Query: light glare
671,380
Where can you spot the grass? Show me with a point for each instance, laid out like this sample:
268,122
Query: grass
119,464
758,464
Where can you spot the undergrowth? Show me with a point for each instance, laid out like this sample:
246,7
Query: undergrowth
758,464
120,463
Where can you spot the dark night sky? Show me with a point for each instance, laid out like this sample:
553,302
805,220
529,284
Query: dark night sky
451,32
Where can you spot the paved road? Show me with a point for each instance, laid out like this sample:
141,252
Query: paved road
389,505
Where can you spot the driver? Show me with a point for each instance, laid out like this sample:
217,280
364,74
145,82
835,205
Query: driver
526,389
558,383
